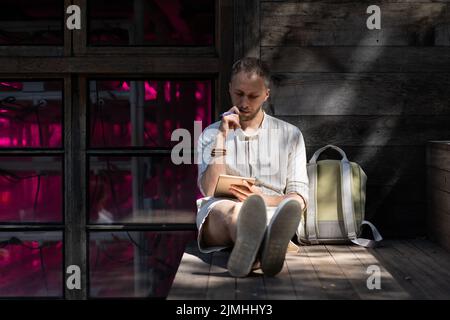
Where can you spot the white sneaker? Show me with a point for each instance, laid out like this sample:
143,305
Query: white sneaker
280,231
251,226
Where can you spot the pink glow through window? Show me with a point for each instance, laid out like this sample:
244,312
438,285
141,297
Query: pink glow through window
151,22
30,189
145,113
31,264
31,114
141,190
135,264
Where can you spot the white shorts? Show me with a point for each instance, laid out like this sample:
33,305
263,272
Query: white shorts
204,206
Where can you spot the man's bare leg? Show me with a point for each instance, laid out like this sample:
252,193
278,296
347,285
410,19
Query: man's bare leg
219,228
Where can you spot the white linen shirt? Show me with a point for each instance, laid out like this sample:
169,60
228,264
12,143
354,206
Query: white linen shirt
275,156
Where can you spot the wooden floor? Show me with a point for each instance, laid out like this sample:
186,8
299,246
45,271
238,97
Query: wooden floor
409,269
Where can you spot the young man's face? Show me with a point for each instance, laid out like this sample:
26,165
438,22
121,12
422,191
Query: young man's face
248,92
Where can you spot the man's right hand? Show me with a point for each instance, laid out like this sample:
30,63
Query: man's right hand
230,121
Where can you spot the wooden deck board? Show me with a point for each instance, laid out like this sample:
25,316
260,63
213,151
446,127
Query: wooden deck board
191,280
220,285
304,278
281,287
434,271
424,286
390,287
251,287
410,269
356,273
332,278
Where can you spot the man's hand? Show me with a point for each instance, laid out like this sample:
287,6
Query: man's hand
242,192
230,120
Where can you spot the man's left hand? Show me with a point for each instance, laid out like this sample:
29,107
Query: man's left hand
242,192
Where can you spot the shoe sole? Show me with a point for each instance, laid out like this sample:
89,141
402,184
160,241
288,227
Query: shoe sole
251,227
280,231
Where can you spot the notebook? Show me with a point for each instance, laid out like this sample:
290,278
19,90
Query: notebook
225,181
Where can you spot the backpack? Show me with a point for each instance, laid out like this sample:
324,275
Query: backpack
337,198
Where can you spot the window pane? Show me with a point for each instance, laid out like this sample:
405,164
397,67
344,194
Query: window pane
141,190
31,114
151,22
145,113
31,264
135,264
31,22
30,189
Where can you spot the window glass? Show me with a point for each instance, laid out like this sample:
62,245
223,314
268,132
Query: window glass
31,22
30,189
134,264
151,22
31,114
141,190
31,264
145,113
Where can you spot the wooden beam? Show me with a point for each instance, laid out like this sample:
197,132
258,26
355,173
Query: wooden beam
75,238
109,65
344,24
298,94
357,59
371,130
247,29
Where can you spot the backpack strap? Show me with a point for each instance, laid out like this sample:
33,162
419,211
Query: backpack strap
346,189
367,242
348,211
311,216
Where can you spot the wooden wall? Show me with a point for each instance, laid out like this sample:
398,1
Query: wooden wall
378,94
438,192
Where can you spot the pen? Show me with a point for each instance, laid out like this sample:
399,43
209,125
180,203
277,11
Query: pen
227,113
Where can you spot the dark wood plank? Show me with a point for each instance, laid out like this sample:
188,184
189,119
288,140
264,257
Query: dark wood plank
225,48
306,283
246,28
390,287
438,179
402,274
67,33
356,59
371,130
334,94
433,250
439,219
75,235
109,65
79,36
251,287
439,274
221,286
439,268
31,51
333,280
440,201
384,165
356,273
193,265
438,155
280,287
410,271
344,24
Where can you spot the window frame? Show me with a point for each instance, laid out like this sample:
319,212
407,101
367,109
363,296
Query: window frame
63,50
76,64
